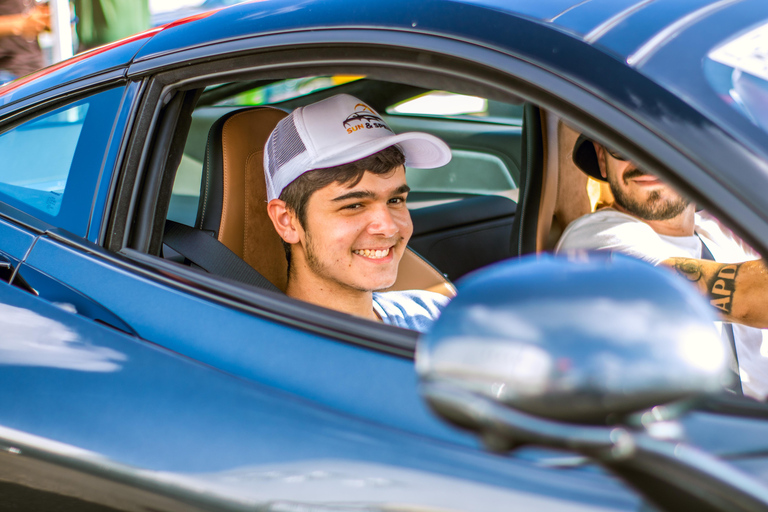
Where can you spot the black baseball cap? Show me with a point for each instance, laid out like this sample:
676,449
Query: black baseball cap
585,157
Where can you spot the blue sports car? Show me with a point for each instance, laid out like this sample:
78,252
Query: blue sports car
149,359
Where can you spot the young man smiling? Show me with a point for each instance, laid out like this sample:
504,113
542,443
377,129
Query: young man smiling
651,221
336,193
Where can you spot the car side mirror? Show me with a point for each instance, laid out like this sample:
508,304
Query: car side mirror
577,340
594,353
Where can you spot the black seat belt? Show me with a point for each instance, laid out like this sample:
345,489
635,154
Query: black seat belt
212,256
733,362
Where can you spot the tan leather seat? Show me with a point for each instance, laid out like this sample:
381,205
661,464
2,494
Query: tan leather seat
415,273
233,199
567,193
233,195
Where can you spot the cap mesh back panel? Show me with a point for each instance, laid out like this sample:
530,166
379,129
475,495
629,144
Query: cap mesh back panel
284,145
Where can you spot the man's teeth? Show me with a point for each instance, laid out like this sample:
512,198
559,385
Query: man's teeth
377,254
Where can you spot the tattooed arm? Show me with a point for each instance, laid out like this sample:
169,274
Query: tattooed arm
738,290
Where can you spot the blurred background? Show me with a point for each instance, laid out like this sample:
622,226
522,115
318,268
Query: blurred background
38,33
93,23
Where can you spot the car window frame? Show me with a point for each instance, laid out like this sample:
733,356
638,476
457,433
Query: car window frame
481,69
608,112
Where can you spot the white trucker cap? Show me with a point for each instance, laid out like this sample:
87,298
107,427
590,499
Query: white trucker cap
335,131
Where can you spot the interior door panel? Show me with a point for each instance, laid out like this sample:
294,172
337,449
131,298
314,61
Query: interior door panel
500,140
462,235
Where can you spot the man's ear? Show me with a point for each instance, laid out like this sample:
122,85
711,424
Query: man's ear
600,152
284,220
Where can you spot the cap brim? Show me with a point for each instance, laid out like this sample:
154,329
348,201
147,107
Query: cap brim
585,157
421,150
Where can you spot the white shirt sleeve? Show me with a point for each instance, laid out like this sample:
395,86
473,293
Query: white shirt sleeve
722,242
612,230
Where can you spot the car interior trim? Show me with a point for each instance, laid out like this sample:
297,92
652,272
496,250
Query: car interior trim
133,165
173,128
474,76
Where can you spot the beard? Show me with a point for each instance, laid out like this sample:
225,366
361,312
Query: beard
653,207
317,266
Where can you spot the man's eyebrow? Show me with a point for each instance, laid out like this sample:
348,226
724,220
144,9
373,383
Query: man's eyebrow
367,194
358,194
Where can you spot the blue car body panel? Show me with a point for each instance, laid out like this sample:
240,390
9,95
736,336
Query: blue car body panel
16,241
644,23
586,17
146,407
341,376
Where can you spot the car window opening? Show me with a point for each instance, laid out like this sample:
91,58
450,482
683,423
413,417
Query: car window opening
439,201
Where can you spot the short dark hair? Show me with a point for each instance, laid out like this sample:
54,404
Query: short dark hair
296,195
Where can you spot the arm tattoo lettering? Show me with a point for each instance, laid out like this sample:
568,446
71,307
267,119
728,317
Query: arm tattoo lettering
721,287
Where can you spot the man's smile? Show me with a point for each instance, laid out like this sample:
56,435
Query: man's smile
642,194
647,180
373,254
640,178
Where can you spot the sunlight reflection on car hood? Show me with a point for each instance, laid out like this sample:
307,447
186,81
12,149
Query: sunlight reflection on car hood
29,339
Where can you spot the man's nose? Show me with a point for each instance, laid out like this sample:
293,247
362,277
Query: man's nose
383,222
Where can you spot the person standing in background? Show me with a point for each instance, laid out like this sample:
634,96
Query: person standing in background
20,23
104,21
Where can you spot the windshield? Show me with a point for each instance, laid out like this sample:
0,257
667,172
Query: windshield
738,71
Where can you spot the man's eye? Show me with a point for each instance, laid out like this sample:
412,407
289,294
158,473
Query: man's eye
397,200
353,206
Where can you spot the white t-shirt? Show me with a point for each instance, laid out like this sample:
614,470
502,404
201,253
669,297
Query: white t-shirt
609,229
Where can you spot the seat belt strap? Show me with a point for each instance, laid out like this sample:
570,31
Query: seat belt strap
212,256
733,362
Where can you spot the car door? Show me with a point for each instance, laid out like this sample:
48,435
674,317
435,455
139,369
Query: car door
54,216
95,420
49,183
353,365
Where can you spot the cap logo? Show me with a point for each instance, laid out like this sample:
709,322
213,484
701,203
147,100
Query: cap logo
363,118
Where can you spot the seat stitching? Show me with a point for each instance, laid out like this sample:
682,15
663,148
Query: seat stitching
247,200
207,180
224,174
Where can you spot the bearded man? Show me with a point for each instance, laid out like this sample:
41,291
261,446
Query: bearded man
651,221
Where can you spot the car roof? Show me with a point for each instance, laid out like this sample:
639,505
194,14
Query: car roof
620,28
